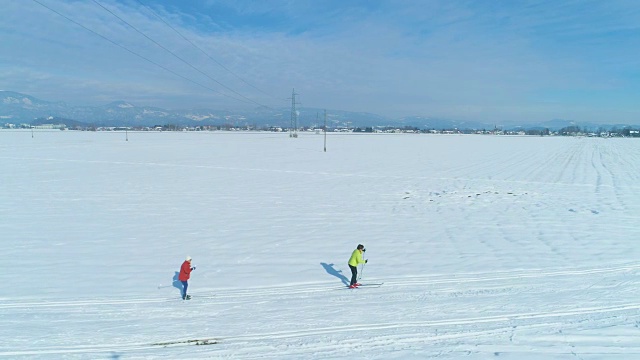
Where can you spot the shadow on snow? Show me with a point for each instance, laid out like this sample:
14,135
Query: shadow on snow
176,283
337,273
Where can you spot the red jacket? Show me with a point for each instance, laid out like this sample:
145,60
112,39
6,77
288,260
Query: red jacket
185,271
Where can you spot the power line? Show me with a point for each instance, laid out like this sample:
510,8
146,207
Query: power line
134,53
178,57
204,52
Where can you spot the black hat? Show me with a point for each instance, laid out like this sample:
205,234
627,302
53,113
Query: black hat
360,246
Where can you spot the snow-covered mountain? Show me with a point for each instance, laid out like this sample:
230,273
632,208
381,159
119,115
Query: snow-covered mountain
21,108
439,123
13,105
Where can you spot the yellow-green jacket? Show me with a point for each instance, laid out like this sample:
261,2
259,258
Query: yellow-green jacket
356,258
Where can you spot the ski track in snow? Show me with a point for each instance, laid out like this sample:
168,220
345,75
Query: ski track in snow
235,294
448,329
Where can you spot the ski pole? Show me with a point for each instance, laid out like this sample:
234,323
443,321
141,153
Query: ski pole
361,271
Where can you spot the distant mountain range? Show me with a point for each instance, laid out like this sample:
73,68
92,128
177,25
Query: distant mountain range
20,108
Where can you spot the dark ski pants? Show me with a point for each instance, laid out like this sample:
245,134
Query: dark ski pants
354,275
185,285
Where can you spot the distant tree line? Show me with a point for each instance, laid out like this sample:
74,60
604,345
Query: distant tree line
575,130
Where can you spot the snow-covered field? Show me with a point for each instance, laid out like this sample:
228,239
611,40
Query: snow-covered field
488,247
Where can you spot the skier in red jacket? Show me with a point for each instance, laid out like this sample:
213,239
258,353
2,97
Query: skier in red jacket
185,273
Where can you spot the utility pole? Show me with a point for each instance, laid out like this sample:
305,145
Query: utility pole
325,130
293,128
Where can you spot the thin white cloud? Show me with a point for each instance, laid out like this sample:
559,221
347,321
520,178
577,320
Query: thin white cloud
467,59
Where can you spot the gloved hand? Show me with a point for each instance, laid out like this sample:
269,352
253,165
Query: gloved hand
366,261
193,268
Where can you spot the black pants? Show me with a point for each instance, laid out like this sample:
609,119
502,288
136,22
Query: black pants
354,274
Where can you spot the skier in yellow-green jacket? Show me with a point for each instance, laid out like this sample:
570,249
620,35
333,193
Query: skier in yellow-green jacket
354,261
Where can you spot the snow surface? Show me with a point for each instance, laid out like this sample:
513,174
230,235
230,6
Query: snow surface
489,247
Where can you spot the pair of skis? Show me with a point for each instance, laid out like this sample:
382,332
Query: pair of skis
370,285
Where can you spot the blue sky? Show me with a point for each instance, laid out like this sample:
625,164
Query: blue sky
498,61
